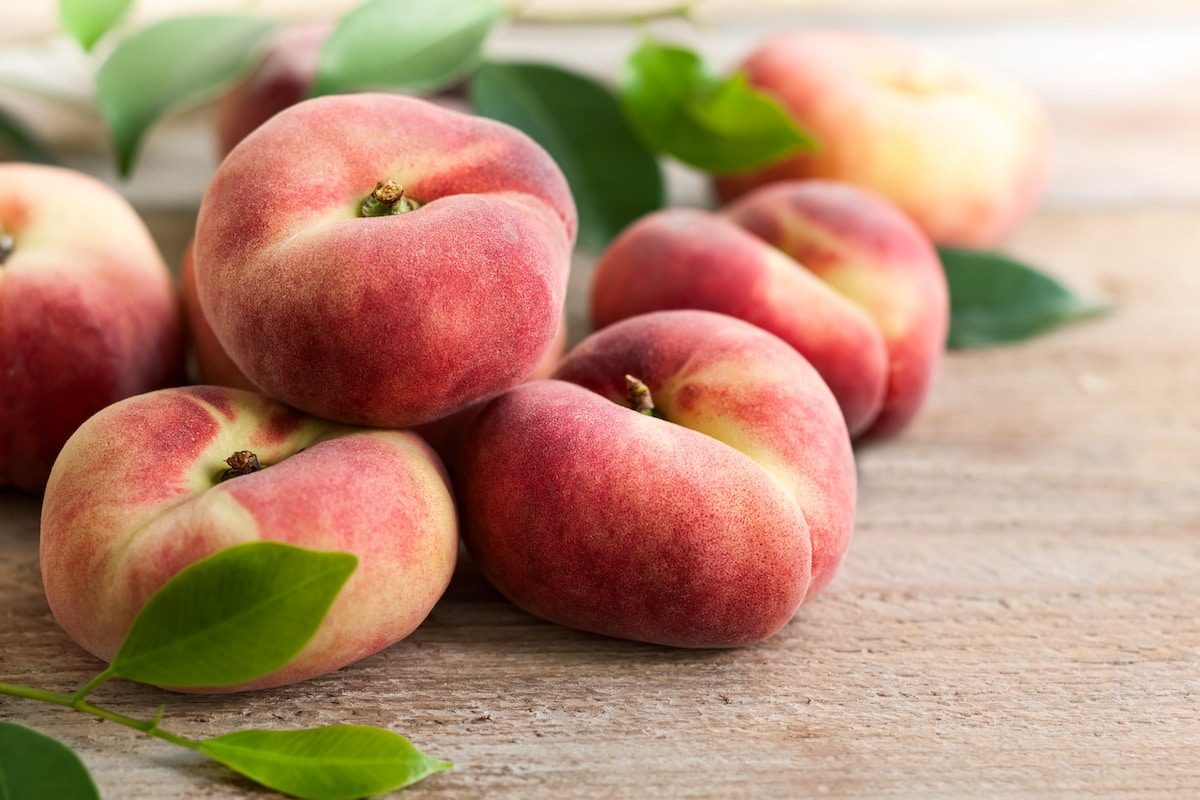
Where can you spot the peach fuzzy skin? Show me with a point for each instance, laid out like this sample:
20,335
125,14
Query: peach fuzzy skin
964,151
89,313
134,498
686,258
705,529
212,364
445,435
391,320
870,252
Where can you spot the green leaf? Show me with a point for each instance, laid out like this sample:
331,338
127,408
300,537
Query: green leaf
237,615
329,763
170,65
34,766
995,299
682,110
89,20
19,143
613,177
410,45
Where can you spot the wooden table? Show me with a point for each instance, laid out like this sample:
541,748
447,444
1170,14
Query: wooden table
1019,613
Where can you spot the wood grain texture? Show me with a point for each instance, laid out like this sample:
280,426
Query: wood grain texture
1018,616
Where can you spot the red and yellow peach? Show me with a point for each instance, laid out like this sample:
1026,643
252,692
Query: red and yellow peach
449,296
140,492
963,150
89,313
707,527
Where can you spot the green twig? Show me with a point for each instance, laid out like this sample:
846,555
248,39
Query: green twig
521,14
78,703
93,684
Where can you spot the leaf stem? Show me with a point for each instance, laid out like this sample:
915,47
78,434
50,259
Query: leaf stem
520,13
93,684
78,703
148,726
30,693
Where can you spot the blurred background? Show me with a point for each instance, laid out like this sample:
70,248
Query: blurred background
1119,76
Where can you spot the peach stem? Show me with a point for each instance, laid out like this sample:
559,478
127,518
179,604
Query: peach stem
388,198
637,396
7,245
243,462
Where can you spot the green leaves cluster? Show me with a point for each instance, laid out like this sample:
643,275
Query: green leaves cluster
678,107
238,615
608,141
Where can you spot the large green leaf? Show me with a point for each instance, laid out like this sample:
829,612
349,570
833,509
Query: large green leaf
237,615
170,65
337,762
717,125
88,20
613,176
411,45
34,766
995,299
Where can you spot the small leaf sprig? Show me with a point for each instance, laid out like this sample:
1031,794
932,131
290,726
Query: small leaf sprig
235,616
679,107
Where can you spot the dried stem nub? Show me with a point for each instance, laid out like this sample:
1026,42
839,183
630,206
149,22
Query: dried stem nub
243,462
388,198
637,396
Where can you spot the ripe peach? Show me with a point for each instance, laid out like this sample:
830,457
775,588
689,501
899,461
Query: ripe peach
964,151
687,258
138,493
870,252
89,313
704,525
448,297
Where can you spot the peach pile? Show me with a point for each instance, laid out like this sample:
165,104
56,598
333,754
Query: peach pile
374,297
837,272
703,524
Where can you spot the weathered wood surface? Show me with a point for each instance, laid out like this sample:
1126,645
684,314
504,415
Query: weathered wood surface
1019,613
